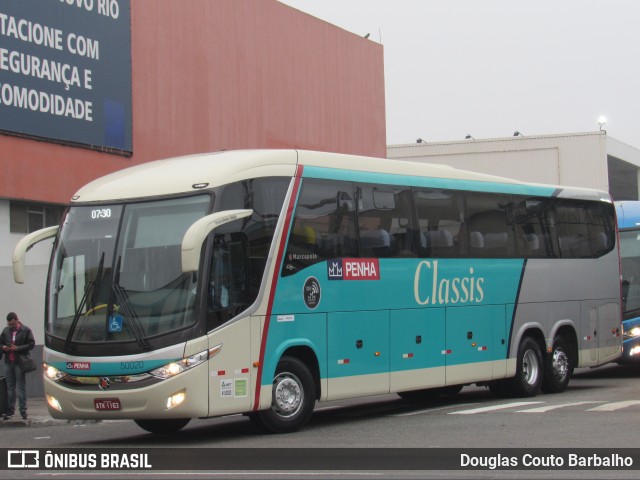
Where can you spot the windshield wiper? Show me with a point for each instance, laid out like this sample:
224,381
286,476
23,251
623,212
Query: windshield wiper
89,288
127,309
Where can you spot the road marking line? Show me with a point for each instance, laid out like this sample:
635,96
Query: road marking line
490,409
553,407
610,407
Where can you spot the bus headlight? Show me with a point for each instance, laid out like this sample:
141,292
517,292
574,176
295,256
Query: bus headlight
174,368
634,351
53,373
632,332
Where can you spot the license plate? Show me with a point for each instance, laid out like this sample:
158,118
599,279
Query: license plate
108,404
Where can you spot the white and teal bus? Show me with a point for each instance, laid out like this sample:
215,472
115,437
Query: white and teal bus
261,282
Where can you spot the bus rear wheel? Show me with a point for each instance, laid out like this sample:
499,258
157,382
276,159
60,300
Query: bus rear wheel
293,398
163,426
558,367
529,368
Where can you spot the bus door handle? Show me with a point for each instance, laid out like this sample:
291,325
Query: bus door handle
358,343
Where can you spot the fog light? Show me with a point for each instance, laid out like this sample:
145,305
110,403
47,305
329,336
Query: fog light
54,403
176,399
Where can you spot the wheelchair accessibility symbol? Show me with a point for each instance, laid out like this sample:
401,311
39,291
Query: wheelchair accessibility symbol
115,323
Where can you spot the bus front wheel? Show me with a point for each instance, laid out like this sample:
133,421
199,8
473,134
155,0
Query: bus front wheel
528,377
163,426
292,401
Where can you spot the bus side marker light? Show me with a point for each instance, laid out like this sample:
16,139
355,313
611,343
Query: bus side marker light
377,354
482,349
176,399
343,361
407,355
446,352
213,351
256,364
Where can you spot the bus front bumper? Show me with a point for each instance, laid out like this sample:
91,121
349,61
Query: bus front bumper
180,397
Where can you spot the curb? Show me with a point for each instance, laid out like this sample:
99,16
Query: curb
42,422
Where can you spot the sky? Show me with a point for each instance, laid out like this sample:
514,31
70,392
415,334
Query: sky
490,67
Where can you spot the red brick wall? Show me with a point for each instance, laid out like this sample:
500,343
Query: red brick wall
223,74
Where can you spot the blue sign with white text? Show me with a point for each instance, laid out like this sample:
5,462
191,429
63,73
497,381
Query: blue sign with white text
65,71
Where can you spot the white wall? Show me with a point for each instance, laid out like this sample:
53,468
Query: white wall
27,299
578,159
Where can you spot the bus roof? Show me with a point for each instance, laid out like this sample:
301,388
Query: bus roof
203,171
628,213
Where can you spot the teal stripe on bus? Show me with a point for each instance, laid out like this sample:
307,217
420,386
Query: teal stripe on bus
108,369
428,182
419,313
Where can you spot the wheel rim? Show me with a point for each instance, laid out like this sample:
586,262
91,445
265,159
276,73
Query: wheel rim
530,367
288,395
560,365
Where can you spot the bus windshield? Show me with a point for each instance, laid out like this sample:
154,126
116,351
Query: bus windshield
116,272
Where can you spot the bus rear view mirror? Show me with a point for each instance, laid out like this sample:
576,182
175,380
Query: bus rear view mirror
198,232
24,245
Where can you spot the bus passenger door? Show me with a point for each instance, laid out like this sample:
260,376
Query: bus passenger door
417,343
358,353
472,342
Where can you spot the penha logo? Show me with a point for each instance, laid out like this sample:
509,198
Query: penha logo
334,269
78,365
353,269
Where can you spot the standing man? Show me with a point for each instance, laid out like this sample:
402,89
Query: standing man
16,340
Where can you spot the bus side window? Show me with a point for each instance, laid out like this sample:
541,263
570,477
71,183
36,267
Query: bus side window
533,220
323,227
440,215
583,231
490,225
385,221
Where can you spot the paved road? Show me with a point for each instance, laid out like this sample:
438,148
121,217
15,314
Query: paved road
601,409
